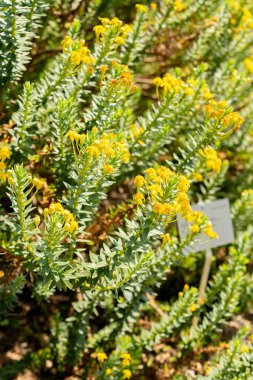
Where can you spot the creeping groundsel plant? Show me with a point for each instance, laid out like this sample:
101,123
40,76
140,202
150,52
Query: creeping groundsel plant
116,118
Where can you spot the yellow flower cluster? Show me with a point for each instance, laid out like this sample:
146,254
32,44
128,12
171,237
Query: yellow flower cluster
69,223
159,186
38,183
5,153
101,356
126,359
220,110
115,27
212,161
140,8
127,374
123,78
248,196
74,136
198,223
108,146
179,6
79,53
172,84
248,63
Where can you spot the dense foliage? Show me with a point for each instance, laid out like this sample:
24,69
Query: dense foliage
115,118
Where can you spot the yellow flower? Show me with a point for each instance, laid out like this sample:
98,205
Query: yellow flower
244,349
183,184
192,308
197,177
168,209
67,42
141,8
150,173
126,355
103,68
4,153
139,181
138,198
210,232
125,362
72,135
93,151
71,226
186,287
127,374
179,6
75,57
194,228
55,207
101,356
2,165
99,30
119,40
158,82
189,91
155,190
38,183
158,208
116,22
37,220
104,21
166,238
108,169
1,273
108,371
249,65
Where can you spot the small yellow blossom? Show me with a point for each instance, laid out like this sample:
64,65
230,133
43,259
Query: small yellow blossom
138,199
249,65
183,184
158,208
67,42
127,374
1,273
72,135
158,82
108,169
101,356
140,8
99,30
194,228
38,183
108,371
139,181
197,177
4,153
179,6
2,165
192,308
103,68
166,238
210,232
37,220
75,57
119,40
